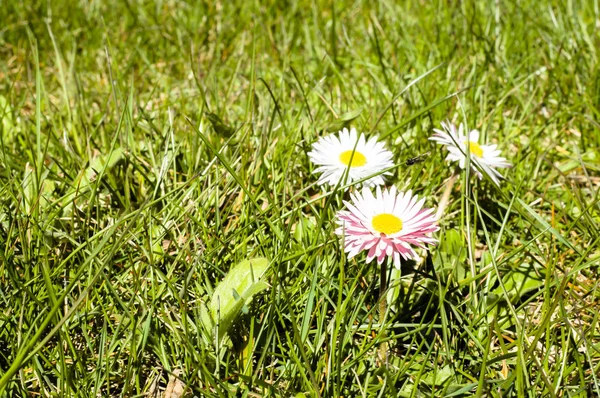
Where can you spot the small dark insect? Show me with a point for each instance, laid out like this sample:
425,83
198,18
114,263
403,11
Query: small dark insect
418,159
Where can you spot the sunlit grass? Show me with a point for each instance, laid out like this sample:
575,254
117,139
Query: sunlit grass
147,148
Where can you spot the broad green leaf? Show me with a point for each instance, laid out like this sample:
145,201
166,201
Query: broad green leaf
97,166
100,163
519,282
349,116
438,376
343,120
238,287
254,289
452,255
459,390
30,194
454,244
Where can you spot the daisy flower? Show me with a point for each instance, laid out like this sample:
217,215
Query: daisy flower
484,158
387,224
334,154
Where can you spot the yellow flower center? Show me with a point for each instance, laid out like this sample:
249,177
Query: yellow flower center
358,159
386,223
475,149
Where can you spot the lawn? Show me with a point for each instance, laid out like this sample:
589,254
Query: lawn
163,231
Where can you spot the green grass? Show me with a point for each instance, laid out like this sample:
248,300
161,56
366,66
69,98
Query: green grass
123,203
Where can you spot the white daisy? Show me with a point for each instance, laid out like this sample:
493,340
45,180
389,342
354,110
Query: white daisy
483,157
387,224
348,151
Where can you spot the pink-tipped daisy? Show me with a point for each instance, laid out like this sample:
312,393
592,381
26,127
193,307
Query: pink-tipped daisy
484,158
348,151
387,224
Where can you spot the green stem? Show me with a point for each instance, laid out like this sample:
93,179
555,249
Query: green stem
383,348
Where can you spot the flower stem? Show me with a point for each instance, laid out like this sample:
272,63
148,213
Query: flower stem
383,359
